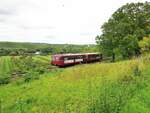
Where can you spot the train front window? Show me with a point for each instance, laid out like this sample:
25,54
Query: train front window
56,58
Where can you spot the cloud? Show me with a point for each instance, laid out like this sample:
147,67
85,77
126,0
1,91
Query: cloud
2,20
36,27
6,12
55,21
87,33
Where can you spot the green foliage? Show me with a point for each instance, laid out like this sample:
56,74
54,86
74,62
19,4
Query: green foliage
124,29
136,71
144,44
128,45
15,49
23,67
112,97
4,79
94,88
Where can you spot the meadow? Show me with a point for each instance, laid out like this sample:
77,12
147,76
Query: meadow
14,67
121,87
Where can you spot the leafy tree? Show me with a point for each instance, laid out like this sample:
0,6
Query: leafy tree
124,29
128,46
145,44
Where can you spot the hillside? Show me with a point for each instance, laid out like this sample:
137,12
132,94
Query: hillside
16,48
22,45
26,45
121,87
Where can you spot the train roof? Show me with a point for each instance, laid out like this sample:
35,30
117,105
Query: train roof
75,54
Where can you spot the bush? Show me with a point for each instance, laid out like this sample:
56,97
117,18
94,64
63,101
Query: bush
4,80
31,76
136,71
112,97
29,68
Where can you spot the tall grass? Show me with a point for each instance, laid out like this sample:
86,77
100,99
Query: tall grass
88,88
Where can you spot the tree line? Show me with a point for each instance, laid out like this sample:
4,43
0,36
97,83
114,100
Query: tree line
123,34
51,49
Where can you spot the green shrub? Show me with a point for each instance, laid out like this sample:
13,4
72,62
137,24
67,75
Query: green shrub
136,71
112,97
31,76
29,68
4,79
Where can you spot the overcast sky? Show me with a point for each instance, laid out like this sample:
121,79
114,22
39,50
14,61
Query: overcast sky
55,21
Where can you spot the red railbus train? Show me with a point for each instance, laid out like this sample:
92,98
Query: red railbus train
72,59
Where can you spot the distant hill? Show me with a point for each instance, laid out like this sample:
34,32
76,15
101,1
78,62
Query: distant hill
17,48
18,45
28,45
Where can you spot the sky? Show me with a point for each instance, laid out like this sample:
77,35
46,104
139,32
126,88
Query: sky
55,21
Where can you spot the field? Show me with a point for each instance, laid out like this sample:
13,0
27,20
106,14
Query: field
14,67
121,87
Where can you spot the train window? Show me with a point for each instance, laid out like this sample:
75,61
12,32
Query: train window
81,56
68,58
97,56
65,58
84,56
91,56
94,56
56,58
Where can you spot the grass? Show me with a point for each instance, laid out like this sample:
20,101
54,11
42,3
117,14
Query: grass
5,65
121,87
44,59
12,68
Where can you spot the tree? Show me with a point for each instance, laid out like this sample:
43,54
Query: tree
145,44
128,25
128,46
107,45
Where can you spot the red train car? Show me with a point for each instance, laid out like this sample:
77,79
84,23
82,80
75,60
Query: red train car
72,59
